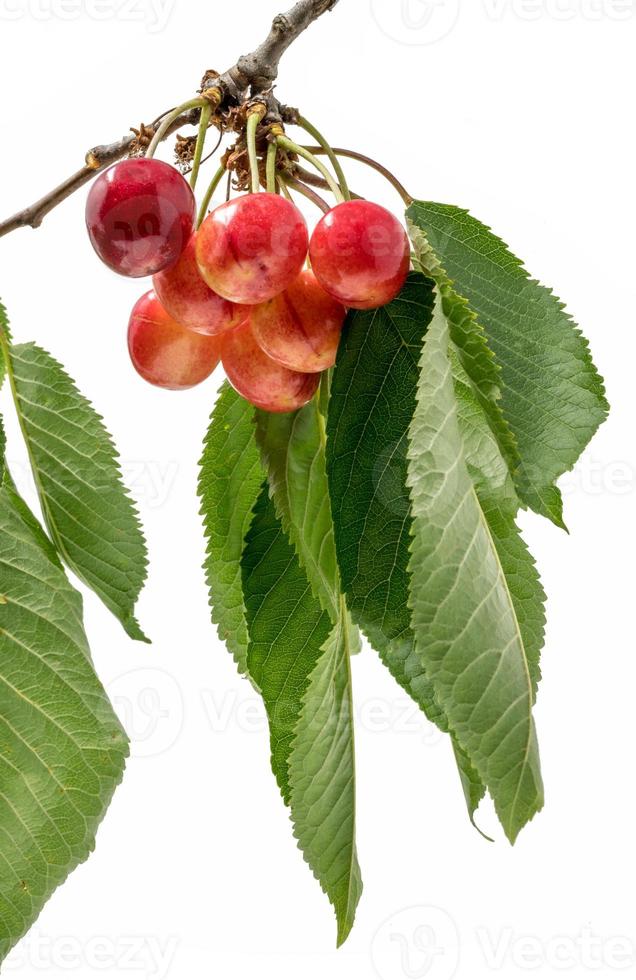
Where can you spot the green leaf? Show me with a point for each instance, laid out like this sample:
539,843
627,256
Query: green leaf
3,446
90,517
373,397
467,633
293,451
286,626
552,397
472,785
500,504
471,343
301,665
322,778
6,331
29,518
62,750
229,483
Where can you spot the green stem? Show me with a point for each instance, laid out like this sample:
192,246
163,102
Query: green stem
253,121
284,188
216,180
297,185
335,162
369,162
292,147
206,113
272,150
168,120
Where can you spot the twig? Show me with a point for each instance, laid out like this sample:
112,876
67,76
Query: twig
259,70
253,75
97,160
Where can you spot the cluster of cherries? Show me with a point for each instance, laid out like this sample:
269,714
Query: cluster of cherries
237,290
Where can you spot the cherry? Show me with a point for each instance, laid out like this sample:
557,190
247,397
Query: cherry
261,380
187,298
300,329
252,248
360,254
165,353
140,215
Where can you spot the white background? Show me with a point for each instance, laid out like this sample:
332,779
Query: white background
522,111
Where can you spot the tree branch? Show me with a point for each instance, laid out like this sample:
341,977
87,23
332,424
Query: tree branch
259,70
97,160
253,76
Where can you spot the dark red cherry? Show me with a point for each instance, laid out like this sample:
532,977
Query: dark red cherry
140,216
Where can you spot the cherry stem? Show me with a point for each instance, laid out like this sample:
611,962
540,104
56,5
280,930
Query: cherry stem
168,120
272,150
253,121
206,113
361,158
301,151
335,162
216,180
297,185
284,188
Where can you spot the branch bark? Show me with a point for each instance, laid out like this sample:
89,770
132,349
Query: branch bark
252,76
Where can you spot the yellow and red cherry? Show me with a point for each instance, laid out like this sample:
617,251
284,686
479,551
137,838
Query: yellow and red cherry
164,352
360,254
301,328
252,248
259,379
190,301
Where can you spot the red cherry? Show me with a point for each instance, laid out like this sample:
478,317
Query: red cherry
165,353
300,329
360,254
187,298
252,248
261,380
140,215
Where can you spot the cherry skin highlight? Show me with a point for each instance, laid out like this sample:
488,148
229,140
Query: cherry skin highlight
140,216
190,301
164,352
360,254
300,329
259,379
252,248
